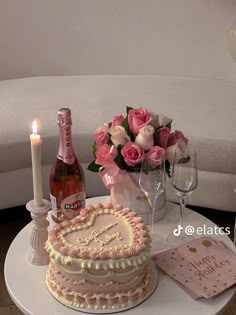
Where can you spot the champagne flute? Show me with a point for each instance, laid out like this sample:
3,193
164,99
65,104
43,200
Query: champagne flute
234,189
152,181
184,180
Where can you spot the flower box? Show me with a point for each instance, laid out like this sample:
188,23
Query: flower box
119,148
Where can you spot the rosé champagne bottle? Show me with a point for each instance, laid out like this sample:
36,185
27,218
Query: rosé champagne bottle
67,183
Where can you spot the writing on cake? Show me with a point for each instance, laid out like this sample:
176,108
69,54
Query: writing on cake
95,233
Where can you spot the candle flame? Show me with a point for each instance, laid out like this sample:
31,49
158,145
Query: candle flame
34,127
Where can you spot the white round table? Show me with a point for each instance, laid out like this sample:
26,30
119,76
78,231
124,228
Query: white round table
27,288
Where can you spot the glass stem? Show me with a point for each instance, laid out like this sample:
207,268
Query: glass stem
152,204
182,203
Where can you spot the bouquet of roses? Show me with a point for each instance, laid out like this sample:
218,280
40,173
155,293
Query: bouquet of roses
122,143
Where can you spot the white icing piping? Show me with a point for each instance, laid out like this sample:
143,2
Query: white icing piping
90,222
109,273
108,283
97,264
140,291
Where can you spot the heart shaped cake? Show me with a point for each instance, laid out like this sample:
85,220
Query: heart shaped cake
100,259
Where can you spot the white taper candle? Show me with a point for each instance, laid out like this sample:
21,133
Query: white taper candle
36,141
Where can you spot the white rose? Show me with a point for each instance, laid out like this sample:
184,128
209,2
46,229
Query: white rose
164,120
180,149
118,135
160,120
145,137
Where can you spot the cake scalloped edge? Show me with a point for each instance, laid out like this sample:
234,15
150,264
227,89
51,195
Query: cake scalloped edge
97,264
64,297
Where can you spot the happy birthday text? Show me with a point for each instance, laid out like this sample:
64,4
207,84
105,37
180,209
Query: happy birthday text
95,233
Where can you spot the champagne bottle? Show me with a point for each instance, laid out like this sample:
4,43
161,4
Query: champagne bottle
67,183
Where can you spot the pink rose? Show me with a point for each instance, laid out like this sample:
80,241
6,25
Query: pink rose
105,154
101,135
145,137
172,139
156,156
179,136
138,118
117,120
133,154
176,151
175,136
163,136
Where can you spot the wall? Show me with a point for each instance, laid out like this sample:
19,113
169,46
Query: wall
165,37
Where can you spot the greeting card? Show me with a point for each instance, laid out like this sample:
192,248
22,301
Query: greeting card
203,267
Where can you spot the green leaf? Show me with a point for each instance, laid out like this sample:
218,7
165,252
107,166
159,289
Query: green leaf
119,160
132,136
109,139
134,169
169,125
128,109
94,148
125,124
167,166
119,148
184,160
155,138
93,167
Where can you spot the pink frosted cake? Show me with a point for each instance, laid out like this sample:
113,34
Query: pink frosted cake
100,259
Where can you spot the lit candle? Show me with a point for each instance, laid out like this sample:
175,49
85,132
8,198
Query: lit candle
36,141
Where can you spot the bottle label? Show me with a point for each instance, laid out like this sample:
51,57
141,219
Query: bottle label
72,205
66,152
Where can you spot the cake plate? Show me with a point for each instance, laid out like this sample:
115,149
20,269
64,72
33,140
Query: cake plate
150,289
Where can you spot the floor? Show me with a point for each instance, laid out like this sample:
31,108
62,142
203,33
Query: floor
13,220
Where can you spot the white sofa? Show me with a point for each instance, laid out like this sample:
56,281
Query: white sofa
203,109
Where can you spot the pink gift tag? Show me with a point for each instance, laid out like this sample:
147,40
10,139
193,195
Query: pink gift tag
204,267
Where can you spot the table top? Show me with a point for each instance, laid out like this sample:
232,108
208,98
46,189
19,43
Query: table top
26,282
